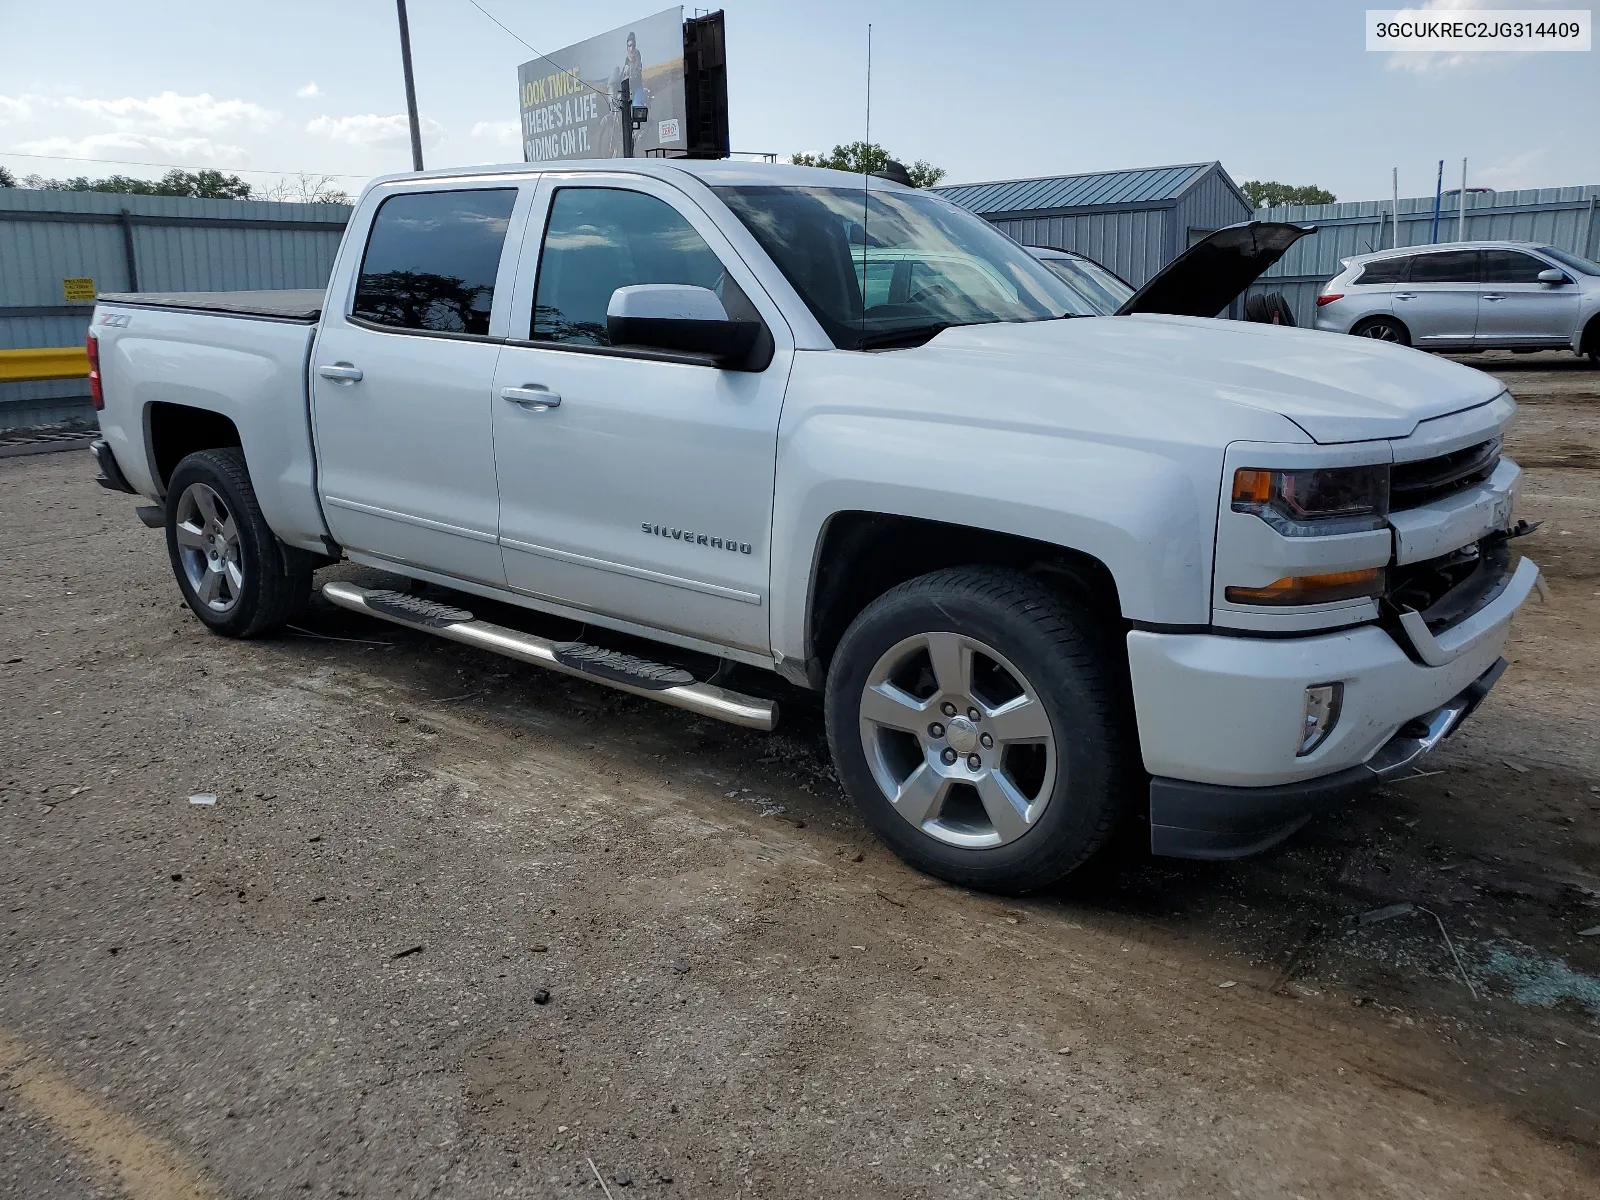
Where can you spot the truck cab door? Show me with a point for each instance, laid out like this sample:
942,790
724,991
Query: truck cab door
401,374
631,485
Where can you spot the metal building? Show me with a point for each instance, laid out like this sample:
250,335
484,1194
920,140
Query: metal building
57,249
1134,222
1560,217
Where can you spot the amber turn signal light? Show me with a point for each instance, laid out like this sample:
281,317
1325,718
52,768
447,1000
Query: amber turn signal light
1312,589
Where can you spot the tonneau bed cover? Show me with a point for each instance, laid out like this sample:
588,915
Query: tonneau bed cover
296,304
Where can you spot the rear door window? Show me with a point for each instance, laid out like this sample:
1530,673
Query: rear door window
1449,266
432,258
1511,266
1386,270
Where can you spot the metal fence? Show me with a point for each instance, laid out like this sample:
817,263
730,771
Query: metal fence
1559,217
56,247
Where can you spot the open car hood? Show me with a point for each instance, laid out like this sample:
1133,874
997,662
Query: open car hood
1202,280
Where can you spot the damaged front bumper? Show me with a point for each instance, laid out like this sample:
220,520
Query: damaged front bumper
1200,820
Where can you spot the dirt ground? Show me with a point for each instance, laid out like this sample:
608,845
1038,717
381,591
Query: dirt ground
456,927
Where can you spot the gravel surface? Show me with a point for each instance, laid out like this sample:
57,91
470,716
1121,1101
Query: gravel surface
458,927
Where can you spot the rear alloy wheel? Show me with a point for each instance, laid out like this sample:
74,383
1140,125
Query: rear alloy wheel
1383,329
975,719
225,557
208,548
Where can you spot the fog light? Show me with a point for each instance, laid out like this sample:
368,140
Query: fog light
1323,701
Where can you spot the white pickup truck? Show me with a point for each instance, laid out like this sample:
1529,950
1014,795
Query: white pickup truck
1050,567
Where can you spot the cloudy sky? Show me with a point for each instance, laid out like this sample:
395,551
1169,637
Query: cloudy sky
1003,89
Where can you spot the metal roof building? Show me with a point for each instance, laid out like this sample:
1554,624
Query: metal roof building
1135,222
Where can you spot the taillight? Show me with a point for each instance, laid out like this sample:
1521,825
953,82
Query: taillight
1329,298
92,345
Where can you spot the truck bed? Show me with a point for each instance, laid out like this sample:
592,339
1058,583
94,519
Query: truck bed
174,359
291,304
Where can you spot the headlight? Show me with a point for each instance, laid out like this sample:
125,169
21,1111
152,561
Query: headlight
1315,502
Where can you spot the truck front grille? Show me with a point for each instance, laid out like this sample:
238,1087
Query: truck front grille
1416,483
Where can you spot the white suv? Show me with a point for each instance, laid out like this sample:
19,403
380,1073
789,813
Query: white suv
1468,296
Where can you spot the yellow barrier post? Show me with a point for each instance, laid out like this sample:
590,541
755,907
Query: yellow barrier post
43,362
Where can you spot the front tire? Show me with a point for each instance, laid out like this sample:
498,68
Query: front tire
975,718
224,554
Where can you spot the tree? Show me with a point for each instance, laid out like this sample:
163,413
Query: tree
862,158
205,184
7,179
1271,195
305,189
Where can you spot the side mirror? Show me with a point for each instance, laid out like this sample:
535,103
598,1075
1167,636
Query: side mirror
1554,276
681,318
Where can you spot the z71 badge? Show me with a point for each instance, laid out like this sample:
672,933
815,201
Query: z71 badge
695,539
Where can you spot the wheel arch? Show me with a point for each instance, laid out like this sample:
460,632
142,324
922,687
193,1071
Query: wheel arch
861,554
174,431
1589,339
1385,318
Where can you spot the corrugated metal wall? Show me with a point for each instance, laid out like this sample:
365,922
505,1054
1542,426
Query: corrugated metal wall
1133,244
177,244
1208,206
1561,217
1212,203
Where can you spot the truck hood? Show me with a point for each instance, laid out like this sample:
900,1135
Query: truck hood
1336,388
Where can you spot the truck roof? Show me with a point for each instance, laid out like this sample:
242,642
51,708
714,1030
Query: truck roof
719,172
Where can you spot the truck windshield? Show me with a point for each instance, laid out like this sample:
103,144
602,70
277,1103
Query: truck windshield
899,268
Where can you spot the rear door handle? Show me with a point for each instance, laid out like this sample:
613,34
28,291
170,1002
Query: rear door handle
1405,295
533,396
342,371
1492,297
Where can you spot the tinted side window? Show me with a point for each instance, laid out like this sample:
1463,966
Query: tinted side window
600,239
1386,270
1511,266
431,260
1450,266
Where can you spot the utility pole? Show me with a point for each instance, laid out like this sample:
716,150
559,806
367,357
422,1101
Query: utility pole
411,87
1394,211
1461,209
1438,190
627,116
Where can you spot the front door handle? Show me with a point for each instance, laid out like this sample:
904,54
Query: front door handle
532,396
342,370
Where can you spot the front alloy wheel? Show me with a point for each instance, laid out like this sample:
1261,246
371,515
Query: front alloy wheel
957,740
979,720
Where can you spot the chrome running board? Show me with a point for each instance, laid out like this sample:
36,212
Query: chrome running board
637,676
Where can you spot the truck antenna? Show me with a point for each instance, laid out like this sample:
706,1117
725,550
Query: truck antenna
866,179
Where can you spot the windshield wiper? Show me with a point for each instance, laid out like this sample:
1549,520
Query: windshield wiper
913,335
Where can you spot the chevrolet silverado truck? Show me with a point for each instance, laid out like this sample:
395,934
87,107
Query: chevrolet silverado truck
1049,567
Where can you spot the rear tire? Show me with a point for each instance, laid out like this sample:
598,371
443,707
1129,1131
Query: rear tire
1017,797
1383,329
227,560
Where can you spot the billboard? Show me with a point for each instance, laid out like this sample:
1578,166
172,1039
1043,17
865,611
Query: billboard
570,99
